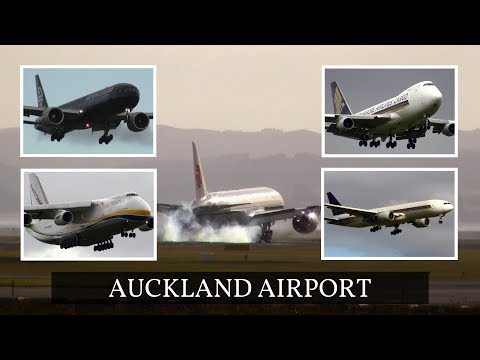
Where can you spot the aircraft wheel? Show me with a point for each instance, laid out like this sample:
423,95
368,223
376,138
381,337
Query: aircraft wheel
110,137
360,143
414,140
52,138
100,141
130,235
134,235
409,146
388,144
395,143
413,146
440,221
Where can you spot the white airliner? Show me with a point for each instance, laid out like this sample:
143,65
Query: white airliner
85,223
417,213
405,116
259,206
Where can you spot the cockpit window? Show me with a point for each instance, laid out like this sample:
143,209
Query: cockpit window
446,203
132,194
428,84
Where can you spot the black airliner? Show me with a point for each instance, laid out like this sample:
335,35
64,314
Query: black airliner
102,110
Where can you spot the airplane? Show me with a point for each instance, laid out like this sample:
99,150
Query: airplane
102,110
406,116
84,223
260,206
416,213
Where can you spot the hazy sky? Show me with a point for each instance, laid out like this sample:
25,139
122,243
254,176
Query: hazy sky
86,186
63,85
366,190
363,88
241,87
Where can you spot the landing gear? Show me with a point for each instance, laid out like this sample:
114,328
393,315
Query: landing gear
267,234
391,144
411,143
396,231
125,234
440,220
57,136
363,141
374,143
105,138
375,228
105,245
70,242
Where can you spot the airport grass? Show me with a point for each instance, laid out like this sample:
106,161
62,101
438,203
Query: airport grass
219,257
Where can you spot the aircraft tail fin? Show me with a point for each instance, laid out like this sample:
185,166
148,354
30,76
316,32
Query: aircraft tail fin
200,186
333,200
340,105
41,98
37,195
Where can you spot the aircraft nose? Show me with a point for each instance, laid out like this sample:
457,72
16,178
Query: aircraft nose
140,204
435,98
449,207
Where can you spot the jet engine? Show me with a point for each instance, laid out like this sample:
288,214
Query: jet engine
421,223
449,129
53,115
63,218
345,124
137,121
27,219
148,226
305,223
386,216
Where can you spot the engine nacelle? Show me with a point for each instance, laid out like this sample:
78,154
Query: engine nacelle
345,124
27,219
305,223
386,216
148,226
421,223
449,129
137,121
63,218
53,116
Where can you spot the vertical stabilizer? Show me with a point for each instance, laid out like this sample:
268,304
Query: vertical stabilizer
340,105
41,98
200,186
333,200
37,195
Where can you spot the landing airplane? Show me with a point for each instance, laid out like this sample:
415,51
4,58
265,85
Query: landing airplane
100,111
417,213
85,223
405,116
259,206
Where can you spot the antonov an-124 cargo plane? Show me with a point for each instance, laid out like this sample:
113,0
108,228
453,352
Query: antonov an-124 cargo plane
406,116
85,223
416,213
260,206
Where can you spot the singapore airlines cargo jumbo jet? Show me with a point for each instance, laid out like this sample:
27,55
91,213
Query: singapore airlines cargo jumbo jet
85,223
100,111
405,116
259,206
417,213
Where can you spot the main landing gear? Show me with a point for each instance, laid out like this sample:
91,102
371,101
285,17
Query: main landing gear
125,234
396,231
391,143
105,245
375,228
411,143
267,234
70,242
105,138
375,143
363,141
57,136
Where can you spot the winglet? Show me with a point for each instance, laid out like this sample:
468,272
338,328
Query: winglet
200,185
333,200
340,105
41,98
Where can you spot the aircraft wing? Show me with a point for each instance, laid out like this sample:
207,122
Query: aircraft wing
439,124
283,214
352,211
123,116
48,211
167,208
38,111
362,121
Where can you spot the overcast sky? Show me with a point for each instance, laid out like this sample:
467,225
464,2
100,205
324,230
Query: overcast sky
366,190
363,88
63,85
241,87
86,186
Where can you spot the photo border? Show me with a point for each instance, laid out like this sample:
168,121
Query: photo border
393,67
106,155
105,170
322,225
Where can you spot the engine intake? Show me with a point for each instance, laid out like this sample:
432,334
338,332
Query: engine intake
305,223
54,116
421,223
137,121
27,219
386,216
449,130
148,226
345,124
63,218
